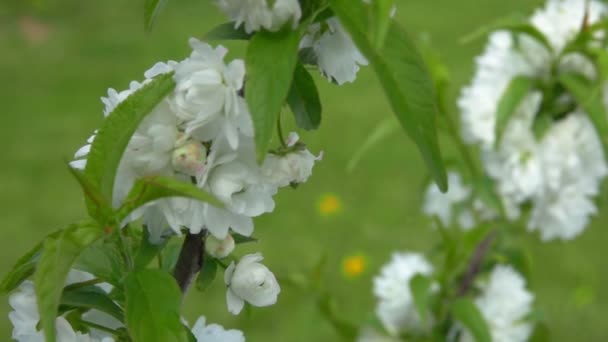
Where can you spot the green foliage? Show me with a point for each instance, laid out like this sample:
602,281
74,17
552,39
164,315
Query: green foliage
421,288
104,260
589,97
404,78
153,302
152,9
227,31
23,268
207,273
303,99
115,133
266,91
148,189
58,254
240,239
100,208
467,313
147,251
512,97
91,297
381,20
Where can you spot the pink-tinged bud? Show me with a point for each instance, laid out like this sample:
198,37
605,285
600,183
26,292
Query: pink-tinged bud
190,158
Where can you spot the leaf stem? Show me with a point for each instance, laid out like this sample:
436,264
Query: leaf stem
280,132
476,260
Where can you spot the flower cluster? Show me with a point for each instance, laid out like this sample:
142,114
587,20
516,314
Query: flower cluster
503,301
549,155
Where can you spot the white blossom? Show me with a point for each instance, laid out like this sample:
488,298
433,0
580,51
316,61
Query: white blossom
255,15
337,56
395,307
504,303
219,248
291,168
442,205
215,333
250,281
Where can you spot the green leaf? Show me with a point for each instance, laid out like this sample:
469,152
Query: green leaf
420,287
589,97
152,188
486,192
97,205
467,313
207,274
152,9
147,251
303,99
170,254
271,61
239,239
115,133
405,79
227,31
58,255
153,302
23,268
515,24
104,260
512,97
381,20
94,298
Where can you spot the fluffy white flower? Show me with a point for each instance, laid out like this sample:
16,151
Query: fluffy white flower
250,281
215,332
396,308
261,14
206,96
546,171
442,205
504,303
292,168
25,318
338,57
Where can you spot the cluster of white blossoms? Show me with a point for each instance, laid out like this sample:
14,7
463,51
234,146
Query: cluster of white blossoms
505,304
396,309
202,133
559,171
503,301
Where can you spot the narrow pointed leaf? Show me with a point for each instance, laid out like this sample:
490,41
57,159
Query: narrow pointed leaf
207,274
467,313
405,79
303,99
152,312
152,9
271,60
58,255
227,31
23,269
92,297
420,287
152,188
98,206
512,97
115,133
589,97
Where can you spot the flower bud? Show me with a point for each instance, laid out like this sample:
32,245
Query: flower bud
249,281
189,159
219,248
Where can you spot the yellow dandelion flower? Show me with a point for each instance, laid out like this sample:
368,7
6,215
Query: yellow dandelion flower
353,266
329,204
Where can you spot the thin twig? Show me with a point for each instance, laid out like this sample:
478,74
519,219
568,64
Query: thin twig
480,252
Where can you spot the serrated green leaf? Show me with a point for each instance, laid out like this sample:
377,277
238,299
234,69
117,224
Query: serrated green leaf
152,310
152,188
467,313
515,24
207,274
115,133
267,91
511,98
227,31
94,298
421,286
97,205
405,79
303,99
152,9
589,97
58,255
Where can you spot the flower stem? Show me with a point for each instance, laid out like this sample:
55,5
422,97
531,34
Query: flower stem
280,132
190,260
475,264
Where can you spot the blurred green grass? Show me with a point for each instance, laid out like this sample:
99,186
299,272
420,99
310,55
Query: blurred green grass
50,104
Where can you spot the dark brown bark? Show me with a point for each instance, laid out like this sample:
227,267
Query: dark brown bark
190,260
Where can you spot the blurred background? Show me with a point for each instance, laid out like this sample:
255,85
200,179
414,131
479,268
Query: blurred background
57,58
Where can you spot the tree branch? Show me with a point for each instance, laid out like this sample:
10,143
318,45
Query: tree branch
190,260
480,252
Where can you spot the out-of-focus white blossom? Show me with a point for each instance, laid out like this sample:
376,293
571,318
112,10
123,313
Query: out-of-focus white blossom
219,248
255,15
337,56
504,303
250,281
396,309
546,171
215,333
442,205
